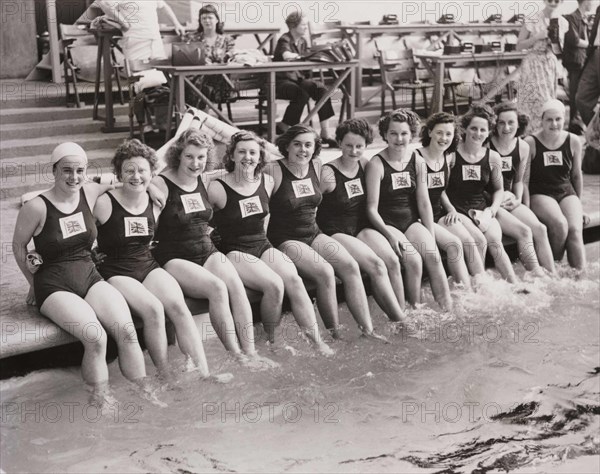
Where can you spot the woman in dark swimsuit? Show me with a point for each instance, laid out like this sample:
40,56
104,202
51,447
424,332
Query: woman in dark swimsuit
126,222
473,169
397,198
556,184
241,202
68,288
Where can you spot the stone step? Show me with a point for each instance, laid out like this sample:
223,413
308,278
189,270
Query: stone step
13,150
46,114
15,131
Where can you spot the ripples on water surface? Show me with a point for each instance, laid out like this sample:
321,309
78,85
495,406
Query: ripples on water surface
507,382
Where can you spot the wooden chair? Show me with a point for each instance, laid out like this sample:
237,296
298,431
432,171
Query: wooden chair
68,35
399,71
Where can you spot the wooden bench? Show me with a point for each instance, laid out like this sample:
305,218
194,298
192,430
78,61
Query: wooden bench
26,330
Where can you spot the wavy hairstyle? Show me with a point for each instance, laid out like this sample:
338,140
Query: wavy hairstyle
482,111
210,10
294,19
436,119
131,149
400,116
357,126
284,140
191,136
244,136
522,119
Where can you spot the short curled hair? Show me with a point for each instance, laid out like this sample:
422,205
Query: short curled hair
191,136
131,149
284,140
401,116
522,119
294,19
482,111
436,119
357,126
245,136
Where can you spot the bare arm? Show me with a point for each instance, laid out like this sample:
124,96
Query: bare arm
576,176
102,209
517,188
327,182
526,39
179,29
497,183
217,197
423,202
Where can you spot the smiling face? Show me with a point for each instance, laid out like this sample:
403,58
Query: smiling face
477,131
398,136
136,174
301,149
193,160
246,156
553,121
353,146
507,124
442,136
70,173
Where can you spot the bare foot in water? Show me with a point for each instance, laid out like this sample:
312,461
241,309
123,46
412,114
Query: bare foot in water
100,396
258,362
376,336
146,391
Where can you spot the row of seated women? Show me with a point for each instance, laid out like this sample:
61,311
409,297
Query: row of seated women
386,217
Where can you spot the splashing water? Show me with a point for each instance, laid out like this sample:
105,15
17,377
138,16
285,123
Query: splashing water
509,380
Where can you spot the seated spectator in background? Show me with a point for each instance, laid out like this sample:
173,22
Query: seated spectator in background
574,53
217,48
139,23
295,85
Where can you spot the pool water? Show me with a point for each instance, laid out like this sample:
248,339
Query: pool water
508,381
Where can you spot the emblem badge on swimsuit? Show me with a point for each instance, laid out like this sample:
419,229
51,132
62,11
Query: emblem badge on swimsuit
251,206
192,203
136,226
471,172
354,188
72,225
436,180
303,188
401,180
506,163
553,158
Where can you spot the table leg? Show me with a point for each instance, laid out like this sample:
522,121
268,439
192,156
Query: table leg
437,101
271,107
358,80
351,102
108,100
342,77
98,75
172,87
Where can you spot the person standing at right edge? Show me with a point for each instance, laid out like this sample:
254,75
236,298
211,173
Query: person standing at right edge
574,54
589,93
294,85
539,68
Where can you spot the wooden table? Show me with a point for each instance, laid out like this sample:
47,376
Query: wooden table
360,35
104,62
344,74
436,64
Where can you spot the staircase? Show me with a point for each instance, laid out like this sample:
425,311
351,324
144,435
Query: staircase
29,131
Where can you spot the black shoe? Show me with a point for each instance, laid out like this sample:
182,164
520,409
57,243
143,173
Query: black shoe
330,142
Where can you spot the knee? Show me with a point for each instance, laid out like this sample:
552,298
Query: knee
97,343
413,263
559,227
217,290
154,315
349,268
453,248
325,275
574,229
377,268
392,263
274,288
540,231
524,233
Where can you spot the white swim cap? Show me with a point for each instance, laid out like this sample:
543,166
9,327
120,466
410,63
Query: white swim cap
67,149
553,104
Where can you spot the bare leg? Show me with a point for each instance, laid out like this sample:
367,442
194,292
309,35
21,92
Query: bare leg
167,290
453,246
313,267
516,229
197,282
571,208
501,260
475,256
425,245
149,308
374,266
347,270
112,311
540,236
77,317
549,212
379,244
